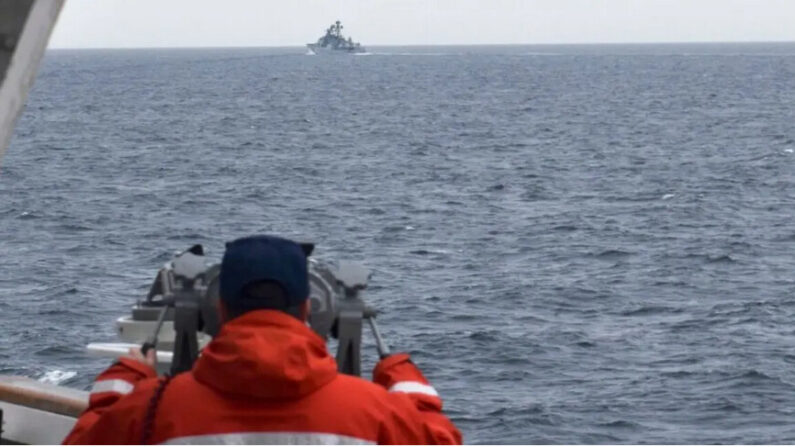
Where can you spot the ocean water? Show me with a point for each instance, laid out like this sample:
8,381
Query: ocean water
578,244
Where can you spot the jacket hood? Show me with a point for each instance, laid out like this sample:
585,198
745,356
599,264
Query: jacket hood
267,354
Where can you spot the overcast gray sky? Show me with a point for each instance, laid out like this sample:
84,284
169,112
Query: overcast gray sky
214,23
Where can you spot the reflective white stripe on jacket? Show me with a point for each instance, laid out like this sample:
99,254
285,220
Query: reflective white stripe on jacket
413,387
112,386
270,438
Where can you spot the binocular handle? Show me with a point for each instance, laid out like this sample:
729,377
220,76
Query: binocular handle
383,349
151,342
146,347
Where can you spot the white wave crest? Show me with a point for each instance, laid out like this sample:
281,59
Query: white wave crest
57,376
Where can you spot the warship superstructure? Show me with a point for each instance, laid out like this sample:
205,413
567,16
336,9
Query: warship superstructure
333,42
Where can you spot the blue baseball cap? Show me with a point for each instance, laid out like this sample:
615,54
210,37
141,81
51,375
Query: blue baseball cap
264,258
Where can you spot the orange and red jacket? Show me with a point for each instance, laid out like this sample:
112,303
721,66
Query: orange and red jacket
265,378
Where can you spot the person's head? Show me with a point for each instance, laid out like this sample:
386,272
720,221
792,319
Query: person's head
264,272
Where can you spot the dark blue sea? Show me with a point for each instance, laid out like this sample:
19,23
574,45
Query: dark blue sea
578,244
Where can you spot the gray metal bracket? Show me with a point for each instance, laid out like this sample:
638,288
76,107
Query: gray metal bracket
353,279
349,335
186,325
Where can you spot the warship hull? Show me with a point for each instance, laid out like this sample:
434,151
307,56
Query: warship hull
319,50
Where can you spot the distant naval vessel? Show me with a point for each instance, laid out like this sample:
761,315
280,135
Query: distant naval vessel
333,42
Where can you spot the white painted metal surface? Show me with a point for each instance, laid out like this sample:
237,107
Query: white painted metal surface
138,331
116,350
30,426
21,71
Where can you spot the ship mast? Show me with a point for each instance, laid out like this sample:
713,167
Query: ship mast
338,29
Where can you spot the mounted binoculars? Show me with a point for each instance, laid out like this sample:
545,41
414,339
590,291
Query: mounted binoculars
186,293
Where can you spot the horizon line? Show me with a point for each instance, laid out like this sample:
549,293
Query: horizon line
684,42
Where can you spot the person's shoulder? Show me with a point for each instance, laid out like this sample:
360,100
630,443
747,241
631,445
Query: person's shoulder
356,381
142,389
359,387
181,384
129,410
353,395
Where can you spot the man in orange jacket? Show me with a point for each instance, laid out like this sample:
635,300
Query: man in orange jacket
266,378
